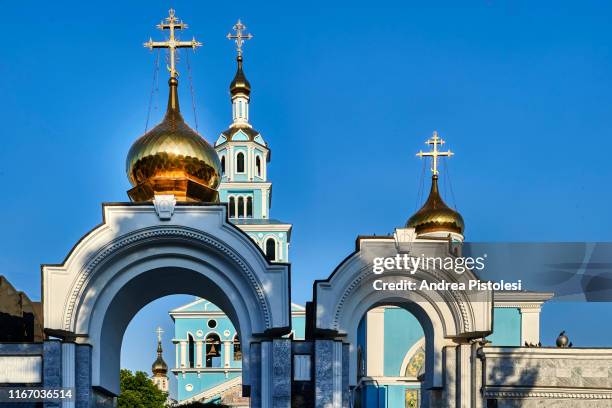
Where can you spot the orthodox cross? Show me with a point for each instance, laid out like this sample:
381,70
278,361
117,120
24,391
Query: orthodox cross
159,332
239,36
172,23
435,141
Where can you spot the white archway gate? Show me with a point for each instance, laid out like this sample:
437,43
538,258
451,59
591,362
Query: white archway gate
138,255
450,319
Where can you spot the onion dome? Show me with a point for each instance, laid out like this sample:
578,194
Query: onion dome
173,159
435,215
240,85
159,366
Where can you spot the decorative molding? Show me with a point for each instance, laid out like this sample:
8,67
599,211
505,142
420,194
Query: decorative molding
548,393
152,233
366,272
164,206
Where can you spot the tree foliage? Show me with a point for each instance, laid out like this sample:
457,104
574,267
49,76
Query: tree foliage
138,391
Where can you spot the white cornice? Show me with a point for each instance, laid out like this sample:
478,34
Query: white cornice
264,185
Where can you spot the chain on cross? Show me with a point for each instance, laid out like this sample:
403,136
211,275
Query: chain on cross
172,23
240,37
435,141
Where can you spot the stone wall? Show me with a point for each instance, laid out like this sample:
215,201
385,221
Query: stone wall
546,377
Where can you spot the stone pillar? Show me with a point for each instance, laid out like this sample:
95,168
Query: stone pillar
255,370
52,367
199,353
226,353
281,373
69,370
464,376
82,380
477,384
530,325
345,375
450,378
328,374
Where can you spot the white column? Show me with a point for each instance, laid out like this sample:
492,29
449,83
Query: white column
530,325
464,375
199,354
226,353
183,354
176,355
250,163
375,342
68,370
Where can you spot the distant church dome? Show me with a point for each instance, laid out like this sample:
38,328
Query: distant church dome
174,159
240,85
159,366
435,215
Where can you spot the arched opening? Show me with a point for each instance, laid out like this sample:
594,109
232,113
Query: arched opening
390,356
237,356
191,348
223,165
271,249
213,351
249,207
241,209
112,273
258,166
240,162
232,207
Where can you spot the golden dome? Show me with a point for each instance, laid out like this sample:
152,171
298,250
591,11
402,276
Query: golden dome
435,215
240,84
174,159
159,365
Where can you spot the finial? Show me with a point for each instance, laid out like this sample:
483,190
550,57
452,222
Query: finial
239,37
172,23
435,141
563,341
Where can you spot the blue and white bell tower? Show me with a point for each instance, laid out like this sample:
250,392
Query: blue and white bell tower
244,155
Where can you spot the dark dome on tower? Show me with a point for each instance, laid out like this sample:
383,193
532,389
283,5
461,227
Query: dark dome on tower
159,366
240,84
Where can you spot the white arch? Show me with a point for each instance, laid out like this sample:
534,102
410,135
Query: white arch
133,259
345,297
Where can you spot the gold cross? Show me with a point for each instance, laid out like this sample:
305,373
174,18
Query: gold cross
172,23
159,332
435,141
239,36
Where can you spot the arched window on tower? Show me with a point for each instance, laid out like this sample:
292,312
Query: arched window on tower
249,207
240,207
258,165
191,351
271,249
222,165
237,348
213,351
240,162
232,207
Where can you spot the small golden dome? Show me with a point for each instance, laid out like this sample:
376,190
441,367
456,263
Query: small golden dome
174,159
159,365
240,85
435,215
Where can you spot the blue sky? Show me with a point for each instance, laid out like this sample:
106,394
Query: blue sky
345,94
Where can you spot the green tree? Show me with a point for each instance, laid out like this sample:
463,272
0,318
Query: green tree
138,391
